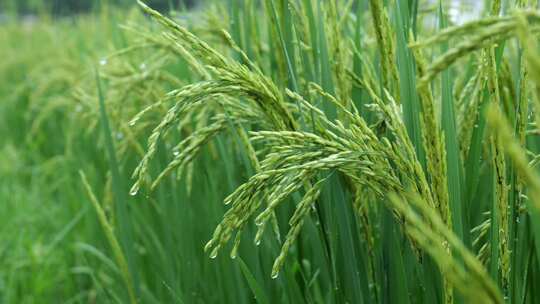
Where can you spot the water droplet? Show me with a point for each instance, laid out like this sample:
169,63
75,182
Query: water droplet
103,61
275,274
257,242
233,255
142,66
119,135
176,153
213,255
134,189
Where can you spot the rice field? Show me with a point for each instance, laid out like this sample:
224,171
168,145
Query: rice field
271,151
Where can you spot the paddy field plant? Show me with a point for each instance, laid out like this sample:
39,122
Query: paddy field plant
295,151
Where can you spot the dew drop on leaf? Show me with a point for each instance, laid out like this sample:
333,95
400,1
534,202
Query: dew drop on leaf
134,190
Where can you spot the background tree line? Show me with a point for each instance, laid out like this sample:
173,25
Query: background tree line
67,7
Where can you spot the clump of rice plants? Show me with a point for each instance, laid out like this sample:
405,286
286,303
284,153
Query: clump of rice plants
305,151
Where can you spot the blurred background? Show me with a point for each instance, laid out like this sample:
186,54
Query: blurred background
67,7
460,11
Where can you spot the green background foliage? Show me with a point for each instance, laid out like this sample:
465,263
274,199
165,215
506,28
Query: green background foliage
366,152
67,7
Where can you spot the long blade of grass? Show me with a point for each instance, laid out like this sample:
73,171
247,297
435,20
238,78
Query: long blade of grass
453,160
256,288
122,213
113,242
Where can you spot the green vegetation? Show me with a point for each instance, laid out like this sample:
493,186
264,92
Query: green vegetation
365,151
57,8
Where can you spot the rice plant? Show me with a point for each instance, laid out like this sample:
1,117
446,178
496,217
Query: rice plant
295,151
